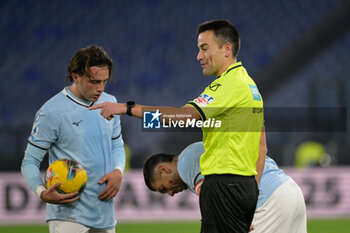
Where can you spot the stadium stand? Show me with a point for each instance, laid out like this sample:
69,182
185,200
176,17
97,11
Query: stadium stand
153,44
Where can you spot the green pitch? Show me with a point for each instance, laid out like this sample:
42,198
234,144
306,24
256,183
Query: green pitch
314,226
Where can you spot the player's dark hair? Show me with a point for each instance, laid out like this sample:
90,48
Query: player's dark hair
150,165
84,58
224,32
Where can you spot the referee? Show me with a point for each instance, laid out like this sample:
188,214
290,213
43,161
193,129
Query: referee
231,159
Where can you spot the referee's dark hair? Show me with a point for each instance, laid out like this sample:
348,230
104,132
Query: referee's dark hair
84,58
224,32
150,165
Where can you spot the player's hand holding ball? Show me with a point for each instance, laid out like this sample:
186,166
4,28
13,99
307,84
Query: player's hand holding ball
65,179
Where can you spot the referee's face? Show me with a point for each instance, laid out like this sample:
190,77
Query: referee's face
90,88
210,55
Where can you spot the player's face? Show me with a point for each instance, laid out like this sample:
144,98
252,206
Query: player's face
91,88
169,183
210,55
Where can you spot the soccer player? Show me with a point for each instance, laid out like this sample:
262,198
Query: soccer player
65,128
231,152
281,206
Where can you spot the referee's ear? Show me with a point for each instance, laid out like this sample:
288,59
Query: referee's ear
228,50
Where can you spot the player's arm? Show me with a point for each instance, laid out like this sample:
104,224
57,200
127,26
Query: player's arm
113,179
108,109
198,186
30,169
260,163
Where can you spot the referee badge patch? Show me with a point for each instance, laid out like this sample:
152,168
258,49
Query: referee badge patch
255,92
203,100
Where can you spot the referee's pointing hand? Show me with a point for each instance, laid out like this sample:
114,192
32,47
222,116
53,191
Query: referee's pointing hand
108,109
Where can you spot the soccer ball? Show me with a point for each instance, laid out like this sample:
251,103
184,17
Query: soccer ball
69,172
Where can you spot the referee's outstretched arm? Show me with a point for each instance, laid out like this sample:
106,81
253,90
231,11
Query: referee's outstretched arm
108,109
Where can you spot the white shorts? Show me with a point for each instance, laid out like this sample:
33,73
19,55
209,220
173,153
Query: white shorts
57,226
283,212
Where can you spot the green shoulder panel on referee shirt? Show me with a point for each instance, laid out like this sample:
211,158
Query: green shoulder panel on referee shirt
233,99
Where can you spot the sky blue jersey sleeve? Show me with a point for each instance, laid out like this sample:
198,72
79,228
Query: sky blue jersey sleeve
118,153
188,166
30,168
45,129
43,134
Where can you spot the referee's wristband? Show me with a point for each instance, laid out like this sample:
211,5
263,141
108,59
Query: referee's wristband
129,106
39,190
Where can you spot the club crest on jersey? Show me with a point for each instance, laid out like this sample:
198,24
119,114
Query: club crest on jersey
255,92
203,100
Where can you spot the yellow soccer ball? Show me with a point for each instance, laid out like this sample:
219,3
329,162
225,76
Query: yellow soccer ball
69,172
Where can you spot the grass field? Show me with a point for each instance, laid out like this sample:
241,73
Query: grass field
314,226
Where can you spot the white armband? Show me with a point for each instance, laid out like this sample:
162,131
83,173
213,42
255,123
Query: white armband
39,190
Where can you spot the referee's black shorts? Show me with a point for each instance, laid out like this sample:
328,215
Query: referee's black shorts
228,203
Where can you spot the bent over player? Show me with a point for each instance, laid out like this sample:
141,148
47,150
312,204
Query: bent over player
281,206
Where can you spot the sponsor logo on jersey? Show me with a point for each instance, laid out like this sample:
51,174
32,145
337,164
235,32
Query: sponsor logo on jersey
214,86
203,100
77,122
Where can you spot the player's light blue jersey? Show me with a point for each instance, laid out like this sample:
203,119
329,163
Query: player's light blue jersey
189,171
188,166
68,129
271,179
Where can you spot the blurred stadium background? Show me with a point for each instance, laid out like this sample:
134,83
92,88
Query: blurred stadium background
297,51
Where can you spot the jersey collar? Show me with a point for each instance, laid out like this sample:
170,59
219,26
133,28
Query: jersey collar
72,97
231,67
